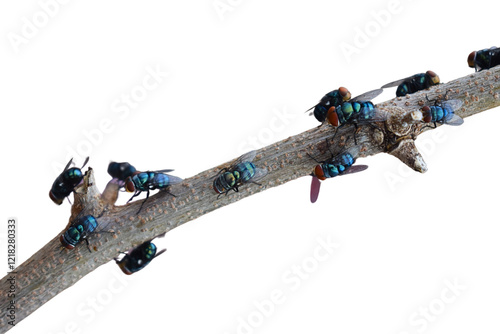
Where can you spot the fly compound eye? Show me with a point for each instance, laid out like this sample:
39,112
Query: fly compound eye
129,185
471,58
426,112
434,77
318,171
346,95
54,199
332,117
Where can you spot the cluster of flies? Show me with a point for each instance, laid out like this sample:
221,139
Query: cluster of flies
126,176
336,108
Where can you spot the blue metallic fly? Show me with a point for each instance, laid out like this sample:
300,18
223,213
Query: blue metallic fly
341,164
443,113
66,182
414,83
484,59
79,230
242,171
139,257
120,170
146,181
331,99
356,111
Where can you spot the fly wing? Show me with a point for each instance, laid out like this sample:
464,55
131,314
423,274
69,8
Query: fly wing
159,236
259,174
378,116
368,96
315,186
249,156
454,119
85,162
316,183
353,151
173,179
67,166
355,169
163,171
453,104
160,252
395,83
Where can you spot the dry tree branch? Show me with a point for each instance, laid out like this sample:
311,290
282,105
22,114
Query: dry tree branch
52,270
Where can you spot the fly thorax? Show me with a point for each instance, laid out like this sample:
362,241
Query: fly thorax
229,180
73,173
74,233
140,179
150,251
348,108
344,112
330,170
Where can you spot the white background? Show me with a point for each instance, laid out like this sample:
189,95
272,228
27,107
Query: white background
229,74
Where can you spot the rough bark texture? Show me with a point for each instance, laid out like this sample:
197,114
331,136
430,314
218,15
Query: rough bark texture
52,270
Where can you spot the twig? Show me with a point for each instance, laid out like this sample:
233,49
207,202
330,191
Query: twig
52,270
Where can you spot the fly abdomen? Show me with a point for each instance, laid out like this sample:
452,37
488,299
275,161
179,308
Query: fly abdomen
246,170
366,111
345,159
78,231
66,182
330,170
224,182
160,181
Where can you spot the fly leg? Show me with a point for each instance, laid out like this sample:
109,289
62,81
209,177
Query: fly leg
355,131
430,126
88,245
310,156
147,196
336,130
255,183
136,194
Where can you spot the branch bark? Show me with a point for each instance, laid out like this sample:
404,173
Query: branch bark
52,270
